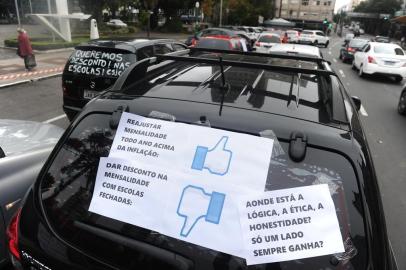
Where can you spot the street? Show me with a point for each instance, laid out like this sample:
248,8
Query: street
385,129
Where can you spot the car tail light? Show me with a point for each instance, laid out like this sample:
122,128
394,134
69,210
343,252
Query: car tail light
371,60
258,44
12,235
351,49
64,90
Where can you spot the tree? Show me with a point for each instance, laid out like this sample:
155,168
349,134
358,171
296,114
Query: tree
378,6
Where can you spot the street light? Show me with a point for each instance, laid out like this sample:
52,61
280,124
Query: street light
197,5
18,13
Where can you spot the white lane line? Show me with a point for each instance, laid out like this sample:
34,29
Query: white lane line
341,73
329,52
363,111
334,60
54,119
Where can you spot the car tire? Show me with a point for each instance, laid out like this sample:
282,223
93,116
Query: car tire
353,65
402,103
326,45
315,43
361,73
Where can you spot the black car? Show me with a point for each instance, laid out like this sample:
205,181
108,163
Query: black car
347,52
95,67
306,111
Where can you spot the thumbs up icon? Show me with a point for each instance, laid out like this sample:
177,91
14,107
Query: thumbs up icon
216,160
196,204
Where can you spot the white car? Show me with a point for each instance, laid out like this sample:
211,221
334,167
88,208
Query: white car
297,49
381,59
293,36
116,23
266,41
314,37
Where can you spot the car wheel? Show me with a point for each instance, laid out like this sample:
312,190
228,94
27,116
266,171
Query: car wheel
316,42
353,65
326,45
361,72
402,103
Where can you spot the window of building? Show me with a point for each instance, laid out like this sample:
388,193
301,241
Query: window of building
305,2
294,13
325,3
293,1
329,3
318,3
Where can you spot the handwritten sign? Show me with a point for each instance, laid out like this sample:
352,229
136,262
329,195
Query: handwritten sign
289,224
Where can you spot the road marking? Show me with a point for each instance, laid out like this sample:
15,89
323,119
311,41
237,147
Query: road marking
334,60
54,119
342,73
363,111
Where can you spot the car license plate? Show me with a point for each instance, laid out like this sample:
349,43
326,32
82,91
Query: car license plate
89,94
389,63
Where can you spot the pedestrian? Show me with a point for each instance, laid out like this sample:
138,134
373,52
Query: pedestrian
285,38
24,49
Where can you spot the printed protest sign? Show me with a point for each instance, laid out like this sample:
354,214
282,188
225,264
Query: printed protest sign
199,152
170,203
289,224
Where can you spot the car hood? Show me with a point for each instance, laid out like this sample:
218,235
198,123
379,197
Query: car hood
17,136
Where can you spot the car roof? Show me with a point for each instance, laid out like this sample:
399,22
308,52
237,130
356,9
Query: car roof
298,48
269,34
129,45
196,82
373,44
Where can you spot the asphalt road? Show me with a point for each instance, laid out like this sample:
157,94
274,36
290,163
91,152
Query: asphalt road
385,129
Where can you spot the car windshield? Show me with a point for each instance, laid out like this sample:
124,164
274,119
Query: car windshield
269,39
357,43
103,62
385,49
291,33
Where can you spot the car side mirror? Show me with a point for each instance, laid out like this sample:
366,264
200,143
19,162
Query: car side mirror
357,102
2,154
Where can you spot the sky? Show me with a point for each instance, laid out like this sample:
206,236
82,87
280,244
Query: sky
340,3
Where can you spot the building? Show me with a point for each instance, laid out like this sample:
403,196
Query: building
306,11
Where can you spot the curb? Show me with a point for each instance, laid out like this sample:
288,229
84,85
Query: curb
30,80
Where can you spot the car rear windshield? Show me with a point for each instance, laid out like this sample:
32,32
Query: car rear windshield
269,39
103,62
67,186
385,49
209,43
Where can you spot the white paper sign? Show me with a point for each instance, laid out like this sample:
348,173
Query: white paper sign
173,204
200,152
289,224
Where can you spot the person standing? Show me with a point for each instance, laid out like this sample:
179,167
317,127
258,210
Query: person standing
24,49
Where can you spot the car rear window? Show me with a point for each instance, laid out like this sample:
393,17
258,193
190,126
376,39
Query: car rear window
66,189
103,62
356,43
269,39
211,43
385,49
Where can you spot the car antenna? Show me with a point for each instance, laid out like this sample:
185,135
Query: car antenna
224,87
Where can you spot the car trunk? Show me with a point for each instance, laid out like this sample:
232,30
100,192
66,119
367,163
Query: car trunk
390,60
66,191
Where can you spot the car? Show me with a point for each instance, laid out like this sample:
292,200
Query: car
297,49
381,59
314,37
293,36
266,41
381,39
347,52
24,148
218,32
348,38
116,23
402,102
95,66
234,44
150,174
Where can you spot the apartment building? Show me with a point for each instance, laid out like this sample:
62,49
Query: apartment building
305,10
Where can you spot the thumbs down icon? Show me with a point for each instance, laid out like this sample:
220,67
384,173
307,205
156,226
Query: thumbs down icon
195,204
216,160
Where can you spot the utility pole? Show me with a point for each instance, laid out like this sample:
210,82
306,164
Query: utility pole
17,13
221,13
49,12
29,1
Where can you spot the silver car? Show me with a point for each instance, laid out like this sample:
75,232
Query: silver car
24,148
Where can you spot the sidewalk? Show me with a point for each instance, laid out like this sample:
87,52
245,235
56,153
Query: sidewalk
12,71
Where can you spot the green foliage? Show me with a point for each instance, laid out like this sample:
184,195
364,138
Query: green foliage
172,26
378,6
